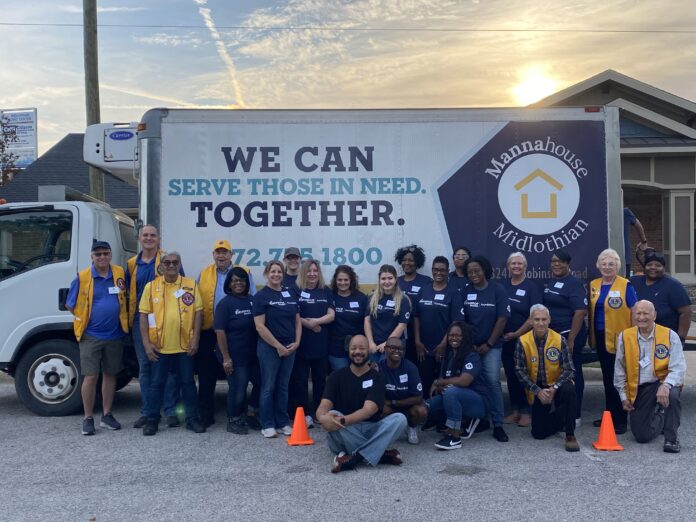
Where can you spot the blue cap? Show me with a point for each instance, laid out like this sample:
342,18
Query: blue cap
96,245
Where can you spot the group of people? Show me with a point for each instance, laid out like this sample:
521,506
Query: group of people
418,353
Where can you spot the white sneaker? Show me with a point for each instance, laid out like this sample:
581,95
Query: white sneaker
309,421
269,433
578,422
285,430
413,435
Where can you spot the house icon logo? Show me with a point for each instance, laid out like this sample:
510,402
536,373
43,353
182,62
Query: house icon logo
552,211
538,193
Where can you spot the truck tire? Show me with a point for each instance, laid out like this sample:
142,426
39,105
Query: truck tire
47,378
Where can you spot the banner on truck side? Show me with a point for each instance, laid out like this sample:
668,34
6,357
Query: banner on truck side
353,193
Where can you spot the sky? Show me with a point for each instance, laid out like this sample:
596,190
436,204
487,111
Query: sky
332,53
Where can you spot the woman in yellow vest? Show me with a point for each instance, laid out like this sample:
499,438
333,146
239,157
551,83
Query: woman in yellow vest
611,300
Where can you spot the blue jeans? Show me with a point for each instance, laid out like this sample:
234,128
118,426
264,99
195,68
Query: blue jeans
370,439
275,380
455,403
171,388
237,383
337,363
491,374
183,366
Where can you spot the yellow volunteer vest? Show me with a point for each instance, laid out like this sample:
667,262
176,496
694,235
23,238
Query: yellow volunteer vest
133,292
207,282
187,311
83,304
617,316
660,356
552,356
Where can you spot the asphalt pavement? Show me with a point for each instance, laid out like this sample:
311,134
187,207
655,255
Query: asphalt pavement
52,472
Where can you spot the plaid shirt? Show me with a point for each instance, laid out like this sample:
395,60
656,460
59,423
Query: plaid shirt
523,374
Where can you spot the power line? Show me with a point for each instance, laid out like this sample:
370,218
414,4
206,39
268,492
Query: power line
360,29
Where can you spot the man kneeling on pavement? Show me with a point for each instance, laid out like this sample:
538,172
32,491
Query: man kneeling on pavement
545,368
648,374
350,412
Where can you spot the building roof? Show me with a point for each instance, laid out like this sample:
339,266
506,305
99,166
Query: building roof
62,164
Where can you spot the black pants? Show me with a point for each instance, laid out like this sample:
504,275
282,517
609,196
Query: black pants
299,395
648,421
611,396
555,417
208,368
428,369
518,397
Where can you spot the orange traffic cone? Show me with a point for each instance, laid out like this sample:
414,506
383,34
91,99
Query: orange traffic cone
607,436
299,436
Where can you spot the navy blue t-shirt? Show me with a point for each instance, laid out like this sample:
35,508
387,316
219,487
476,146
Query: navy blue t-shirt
385,322
482,308
402,382
521,298
314,303
350,320
411,288
290,281
280,309
667,294
563,297
436,311
598,319
472,365
233,314
458,281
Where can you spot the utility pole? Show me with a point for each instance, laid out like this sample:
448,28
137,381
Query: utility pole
91,52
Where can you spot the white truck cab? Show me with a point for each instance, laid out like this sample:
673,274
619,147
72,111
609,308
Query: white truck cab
42,247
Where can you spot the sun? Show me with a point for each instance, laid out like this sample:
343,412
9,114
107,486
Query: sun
533,88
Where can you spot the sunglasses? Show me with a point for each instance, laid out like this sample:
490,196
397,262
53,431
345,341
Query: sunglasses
101,254
170,263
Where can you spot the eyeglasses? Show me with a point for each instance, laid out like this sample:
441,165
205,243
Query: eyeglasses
439,270
101,254
170,263
237,280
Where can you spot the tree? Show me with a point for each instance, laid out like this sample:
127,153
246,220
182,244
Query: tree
8,136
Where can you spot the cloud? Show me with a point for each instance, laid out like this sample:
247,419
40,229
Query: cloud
115,9
170,40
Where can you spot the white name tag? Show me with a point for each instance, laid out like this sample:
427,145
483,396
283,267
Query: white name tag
558,285
305,295
354,304
151,321
439,297
415,289
403,378
285,293
114,290
178,293
471,297
614,293
390,303
645,361
521,292
367,383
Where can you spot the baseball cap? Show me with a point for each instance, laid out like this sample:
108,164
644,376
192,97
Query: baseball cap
222,243
291,251
96,245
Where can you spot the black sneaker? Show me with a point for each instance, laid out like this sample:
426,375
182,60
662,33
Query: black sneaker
449,442
195,425
469,427
483,425
253,422
173,421
109,422
237,426
671,447
429,425
391,456
140,423
343,462
207,421
88,426
499,434
150,428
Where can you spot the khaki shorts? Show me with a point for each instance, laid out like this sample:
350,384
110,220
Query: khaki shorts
97,355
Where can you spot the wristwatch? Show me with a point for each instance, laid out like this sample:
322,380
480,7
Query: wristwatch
555,386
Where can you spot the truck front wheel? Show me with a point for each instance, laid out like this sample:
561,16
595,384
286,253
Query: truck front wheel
47,378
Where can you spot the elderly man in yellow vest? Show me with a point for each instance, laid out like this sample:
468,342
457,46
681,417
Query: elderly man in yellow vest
97,299
648,375
170,325
211,283
545,368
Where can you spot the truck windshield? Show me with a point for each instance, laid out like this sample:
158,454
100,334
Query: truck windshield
33,238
